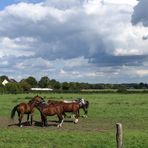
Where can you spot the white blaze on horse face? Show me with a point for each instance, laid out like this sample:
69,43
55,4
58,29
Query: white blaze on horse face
82,101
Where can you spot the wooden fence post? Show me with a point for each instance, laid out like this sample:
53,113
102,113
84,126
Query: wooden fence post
119,135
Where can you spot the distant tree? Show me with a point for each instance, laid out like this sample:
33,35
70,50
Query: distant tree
13,88
72,86
2,78
122,89
44,82
32,81
25,85
2,88
78,86
57,85
54,84
65,85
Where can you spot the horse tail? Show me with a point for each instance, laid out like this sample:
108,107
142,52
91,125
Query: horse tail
13,111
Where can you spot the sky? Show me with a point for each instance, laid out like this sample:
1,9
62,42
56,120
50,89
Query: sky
92,41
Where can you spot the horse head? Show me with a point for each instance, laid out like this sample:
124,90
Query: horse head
38,99
84,104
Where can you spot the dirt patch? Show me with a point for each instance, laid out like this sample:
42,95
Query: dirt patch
4,122
68,125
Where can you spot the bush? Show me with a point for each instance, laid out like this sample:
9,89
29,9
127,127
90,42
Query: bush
122,90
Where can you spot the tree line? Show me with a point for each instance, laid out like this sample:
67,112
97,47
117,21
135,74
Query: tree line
26,84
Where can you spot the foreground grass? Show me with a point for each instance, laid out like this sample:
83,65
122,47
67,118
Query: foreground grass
35,138
98,130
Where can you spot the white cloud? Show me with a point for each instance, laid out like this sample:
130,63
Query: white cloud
71,39
142,72
15,47
121,2
123,52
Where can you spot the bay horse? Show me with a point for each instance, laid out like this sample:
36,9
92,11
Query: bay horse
25,108
57,108
50,110
83,104
71,107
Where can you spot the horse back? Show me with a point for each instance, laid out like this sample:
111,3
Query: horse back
52,109
24,108
71,107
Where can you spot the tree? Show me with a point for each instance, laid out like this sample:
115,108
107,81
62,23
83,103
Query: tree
32,81
13,88
2,88
25,85
2,78
72,86
54,84
65,86
57,85
44,82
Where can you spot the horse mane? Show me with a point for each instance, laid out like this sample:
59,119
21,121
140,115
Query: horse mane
87,104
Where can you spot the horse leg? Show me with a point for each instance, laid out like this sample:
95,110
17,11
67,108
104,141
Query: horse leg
76,116
42,119
85,112
61,120
65,115
45,121
28,118
31,118
20,119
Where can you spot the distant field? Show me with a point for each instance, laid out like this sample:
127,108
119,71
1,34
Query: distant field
113,90
96,131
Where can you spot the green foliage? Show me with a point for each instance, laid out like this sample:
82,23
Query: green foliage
55,85
122,90
25,86
32,81
2,78
65,86
13,88
44,82
73,87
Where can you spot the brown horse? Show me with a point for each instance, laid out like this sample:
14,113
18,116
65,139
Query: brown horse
25,108
72,108
50,110
83,104
68,107
57,108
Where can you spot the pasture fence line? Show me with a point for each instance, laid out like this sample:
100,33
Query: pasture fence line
119,135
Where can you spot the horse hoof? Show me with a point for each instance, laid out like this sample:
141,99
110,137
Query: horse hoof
76,121
59,125
84,116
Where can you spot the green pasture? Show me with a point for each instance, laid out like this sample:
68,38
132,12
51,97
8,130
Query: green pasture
96,131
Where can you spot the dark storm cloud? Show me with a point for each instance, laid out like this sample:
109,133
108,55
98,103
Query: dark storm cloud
110,60
141,13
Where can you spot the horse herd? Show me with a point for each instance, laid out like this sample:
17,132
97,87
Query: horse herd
51,108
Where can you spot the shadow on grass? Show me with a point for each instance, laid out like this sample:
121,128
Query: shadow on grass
38,123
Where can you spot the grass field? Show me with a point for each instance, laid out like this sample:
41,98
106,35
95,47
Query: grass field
96,131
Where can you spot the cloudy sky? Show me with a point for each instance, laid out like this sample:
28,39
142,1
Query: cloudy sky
94,41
